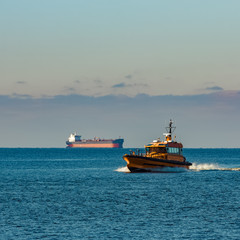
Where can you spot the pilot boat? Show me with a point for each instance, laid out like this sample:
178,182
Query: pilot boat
158,155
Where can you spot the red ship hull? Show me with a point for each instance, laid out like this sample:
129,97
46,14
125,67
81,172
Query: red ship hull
89,145
101,143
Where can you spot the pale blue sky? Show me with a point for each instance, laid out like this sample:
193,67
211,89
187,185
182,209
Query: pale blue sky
86,47
97,48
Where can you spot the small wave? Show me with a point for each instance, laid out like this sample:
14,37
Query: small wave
123,169
210,166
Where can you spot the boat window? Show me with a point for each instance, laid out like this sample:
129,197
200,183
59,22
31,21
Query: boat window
147,149
174,150
162,150
180,151
157,149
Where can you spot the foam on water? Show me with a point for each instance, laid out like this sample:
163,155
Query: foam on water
230,169
123,169
204,166
194,167
210,166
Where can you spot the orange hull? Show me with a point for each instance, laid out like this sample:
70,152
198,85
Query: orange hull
140,163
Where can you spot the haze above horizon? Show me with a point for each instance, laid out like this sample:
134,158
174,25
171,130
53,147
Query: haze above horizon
164,59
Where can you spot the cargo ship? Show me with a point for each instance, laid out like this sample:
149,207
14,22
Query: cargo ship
75,141
158,155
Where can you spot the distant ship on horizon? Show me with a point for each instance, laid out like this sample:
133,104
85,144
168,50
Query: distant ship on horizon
75,141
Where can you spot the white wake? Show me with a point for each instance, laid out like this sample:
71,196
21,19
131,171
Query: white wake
210,166
123,169
194,167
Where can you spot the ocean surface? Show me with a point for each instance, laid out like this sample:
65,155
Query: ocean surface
89,194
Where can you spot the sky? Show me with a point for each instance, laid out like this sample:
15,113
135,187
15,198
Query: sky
119,68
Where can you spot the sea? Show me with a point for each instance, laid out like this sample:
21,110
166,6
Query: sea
58,193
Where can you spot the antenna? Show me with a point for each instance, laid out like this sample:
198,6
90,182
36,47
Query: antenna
170,129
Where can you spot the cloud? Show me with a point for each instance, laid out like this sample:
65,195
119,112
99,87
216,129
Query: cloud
230,98
119,85
53,118
129,76
214,88
21,82
124,85
21,96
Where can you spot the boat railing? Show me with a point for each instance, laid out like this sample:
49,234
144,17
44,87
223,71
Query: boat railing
137,152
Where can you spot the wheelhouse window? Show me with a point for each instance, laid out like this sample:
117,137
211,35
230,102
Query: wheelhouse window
156,149
174,150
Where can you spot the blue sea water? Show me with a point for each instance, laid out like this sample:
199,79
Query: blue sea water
89,194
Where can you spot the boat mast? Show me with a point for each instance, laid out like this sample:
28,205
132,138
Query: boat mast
170,130
170,126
